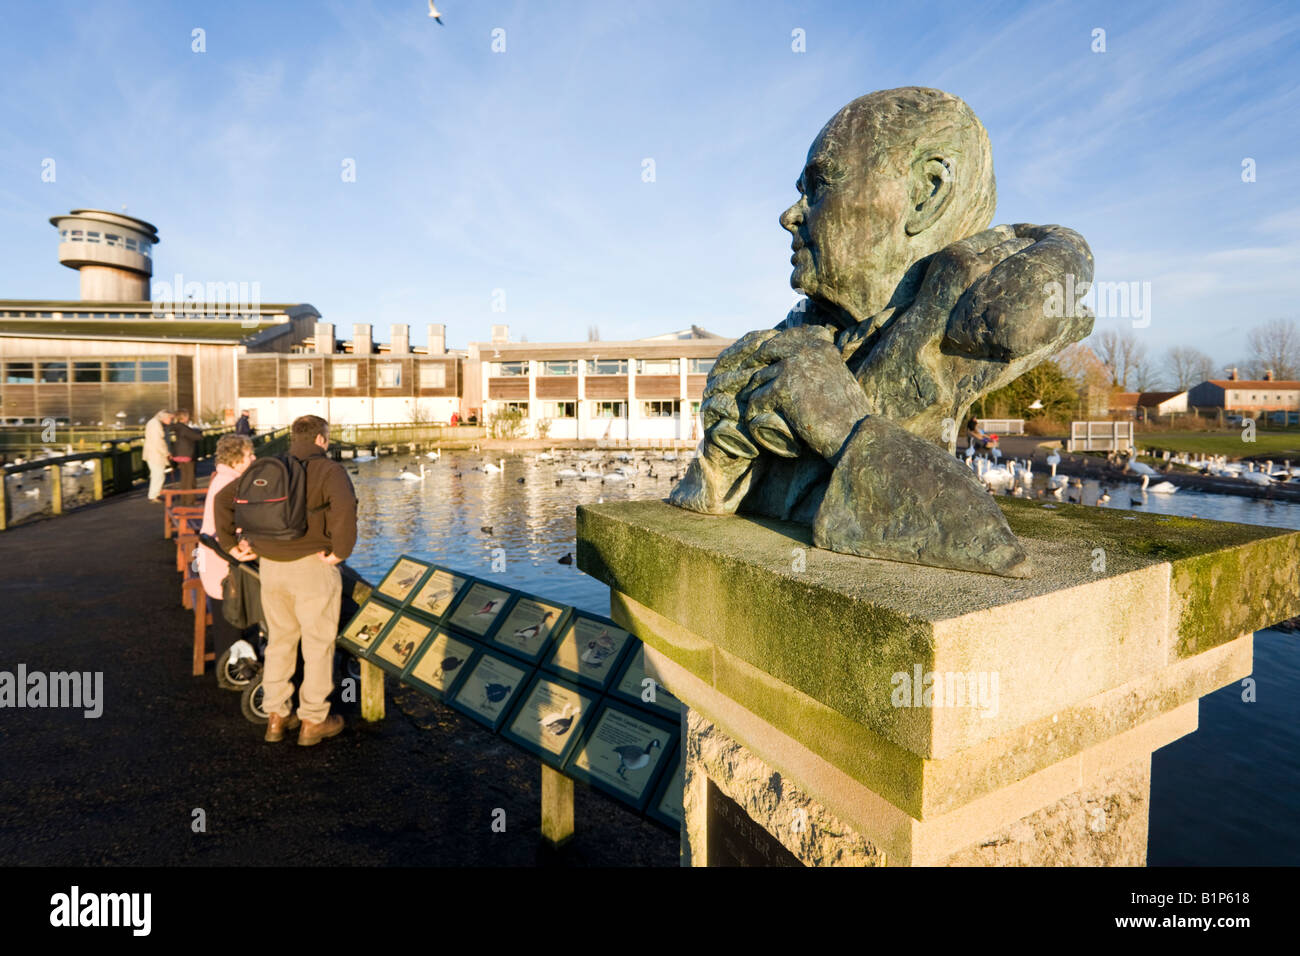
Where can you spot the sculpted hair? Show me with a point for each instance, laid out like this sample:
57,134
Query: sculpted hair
309,426
231,449
905,124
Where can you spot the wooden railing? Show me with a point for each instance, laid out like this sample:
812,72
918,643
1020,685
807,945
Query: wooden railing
1100,436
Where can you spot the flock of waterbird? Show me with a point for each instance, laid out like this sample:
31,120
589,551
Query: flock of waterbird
1015,477
626,467
31,484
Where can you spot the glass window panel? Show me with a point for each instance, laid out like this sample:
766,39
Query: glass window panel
154,371
606,366
345,374
569,367
390,375
657,367
433,375
54,373
120,371
88,372
700,366
20,373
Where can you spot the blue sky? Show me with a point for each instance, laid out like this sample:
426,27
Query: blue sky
522,170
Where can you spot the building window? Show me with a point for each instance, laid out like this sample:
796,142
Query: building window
521,407
154,371
299,375
92,237
20,373
54,373
502,369
433,375
87,372
77,235
112,239
700,366
606,366
660,409
560,409
609,409
130,244
145,248
657,366
390,375
695,409
569,367
119,371
345,374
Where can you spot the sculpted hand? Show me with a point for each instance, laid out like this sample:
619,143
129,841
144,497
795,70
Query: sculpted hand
243,552
804,392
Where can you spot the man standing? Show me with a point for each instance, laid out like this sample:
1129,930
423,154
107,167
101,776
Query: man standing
302,588
185,446
156,453
243,426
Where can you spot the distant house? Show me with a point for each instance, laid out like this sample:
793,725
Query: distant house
1246,395
1155,404
1124,403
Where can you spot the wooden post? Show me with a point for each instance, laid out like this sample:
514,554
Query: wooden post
372,692
56,488
4,503
98,479
557,807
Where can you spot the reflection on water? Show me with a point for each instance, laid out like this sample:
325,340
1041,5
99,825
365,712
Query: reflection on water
1221,795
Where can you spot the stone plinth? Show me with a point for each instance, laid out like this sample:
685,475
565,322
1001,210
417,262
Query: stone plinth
806,673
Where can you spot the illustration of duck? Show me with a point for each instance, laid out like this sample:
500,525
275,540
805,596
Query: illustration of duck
525,634
369,632
634,758
404,650
495,693
490,608
598,649
558,724
409,582
449,664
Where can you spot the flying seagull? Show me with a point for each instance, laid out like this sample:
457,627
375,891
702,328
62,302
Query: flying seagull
433,12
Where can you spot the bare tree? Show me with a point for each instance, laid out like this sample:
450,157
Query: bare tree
1123,354
1276,345
1146,374
1186,366
593,333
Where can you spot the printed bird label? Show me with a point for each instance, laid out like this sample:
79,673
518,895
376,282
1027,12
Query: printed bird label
551,716
479,608
437,593
590,649
440,664
370,620
402,579
402,640
490,688
528,627
623,752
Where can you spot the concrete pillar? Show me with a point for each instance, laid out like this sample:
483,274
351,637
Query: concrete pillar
437,339
324,338
846,711
362,341
633,411
401,340
582,410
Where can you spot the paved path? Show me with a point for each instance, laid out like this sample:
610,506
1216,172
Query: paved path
97,590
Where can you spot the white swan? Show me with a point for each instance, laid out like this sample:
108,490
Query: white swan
364,458
433,455
567,473
1164,488
1140,468
496,469
412,476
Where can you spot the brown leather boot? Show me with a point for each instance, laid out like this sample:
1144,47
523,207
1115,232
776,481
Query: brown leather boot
312,733
277,725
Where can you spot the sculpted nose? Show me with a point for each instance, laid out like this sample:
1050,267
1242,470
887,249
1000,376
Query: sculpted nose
793,217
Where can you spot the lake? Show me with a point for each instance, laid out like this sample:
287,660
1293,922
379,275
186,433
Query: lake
1223,795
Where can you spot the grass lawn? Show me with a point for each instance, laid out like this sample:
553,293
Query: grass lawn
1277,445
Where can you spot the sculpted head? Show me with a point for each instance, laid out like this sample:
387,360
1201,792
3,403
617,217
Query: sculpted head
893,177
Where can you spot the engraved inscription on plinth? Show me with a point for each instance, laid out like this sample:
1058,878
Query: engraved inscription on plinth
736,840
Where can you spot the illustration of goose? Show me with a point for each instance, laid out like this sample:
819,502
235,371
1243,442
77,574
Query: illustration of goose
490,608
558,724
495,693
409,582
634,758
525,634
437,597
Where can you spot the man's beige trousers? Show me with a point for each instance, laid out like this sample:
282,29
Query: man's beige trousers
301,602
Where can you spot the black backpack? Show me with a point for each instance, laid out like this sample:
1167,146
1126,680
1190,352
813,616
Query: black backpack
271,499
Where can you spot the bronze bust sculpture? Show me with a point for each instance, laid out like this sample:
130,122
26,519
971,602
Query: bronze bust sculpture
844,416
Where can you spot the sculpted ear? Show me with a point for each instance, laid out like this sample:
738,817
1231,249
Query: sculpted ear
932,184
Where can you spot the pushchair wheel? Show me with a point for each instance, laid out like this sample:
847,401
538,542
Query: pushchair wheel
250,702
236,671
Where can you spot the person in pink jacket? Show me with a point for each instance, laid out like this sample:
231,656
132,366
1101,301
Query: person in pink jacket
234,454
